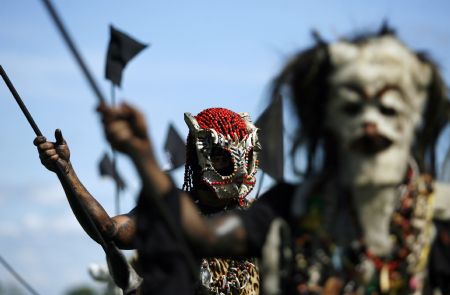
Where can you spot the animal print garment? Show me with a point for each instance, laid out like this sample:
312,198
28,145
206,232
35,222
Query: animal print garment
230,277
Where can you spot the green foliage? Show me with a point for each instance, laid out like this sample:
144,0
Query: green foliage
82,290
10,289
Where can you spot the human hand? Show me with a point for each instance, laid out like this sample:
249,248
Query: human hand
52,152
125,129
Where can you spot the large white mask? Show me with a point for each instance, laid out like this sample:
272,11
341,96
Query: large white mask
376,99
239,180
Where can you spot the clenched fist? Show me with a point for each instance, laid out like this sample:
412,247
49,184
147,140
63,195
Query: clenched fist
125,128
52,152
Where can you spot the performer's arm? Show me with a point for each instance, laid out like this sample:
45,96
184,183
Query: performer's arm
120,229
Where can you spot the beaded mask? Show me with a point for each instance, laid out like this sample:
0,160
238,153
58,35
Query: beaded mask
218,132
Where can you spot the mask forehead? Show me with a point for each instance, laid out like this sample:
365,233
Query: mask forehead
380,72
379,62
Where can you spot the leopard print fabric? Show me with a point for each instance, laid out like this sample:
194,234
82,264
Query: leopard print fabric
230,277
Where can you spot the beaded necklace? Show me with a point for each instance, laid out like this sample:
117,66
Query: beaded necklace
318,258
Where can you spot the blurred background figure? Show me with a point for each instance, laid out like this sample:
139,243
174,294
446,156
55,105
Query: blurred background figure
100,273
370,113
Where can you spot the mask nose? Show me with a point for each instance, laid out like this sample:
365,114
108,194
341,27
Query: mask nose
239,180
370,128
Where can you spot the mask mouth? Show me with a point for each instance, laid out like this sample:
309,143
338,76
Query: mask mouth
222,161
226,171
370,144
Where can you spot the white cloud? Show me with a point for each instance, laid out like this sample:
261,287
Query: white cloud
37,193
49,195
34,222
39,67
9,230
35,208
189,71
3,197
66,223
42,224
44,77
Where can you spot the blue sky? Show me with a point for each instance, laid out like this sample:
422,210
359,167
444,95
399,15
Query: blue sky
203,54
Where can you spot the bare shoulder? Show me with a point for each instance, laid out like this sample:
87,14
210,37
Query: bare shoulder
442,201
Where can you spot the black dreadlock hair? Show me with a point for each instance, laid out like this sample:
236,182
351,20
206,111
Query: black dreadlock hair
191,168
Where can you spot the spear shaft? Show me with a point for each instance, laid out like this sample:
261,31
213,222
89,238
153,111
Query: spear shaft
20,102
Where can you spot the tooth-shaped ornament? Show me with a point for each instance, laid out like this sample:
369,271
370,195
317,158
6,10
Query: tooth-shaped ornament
192,123
214,136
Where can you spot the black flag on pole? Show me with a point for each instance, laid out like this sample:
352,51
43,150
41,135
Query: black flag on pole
106,168
121,49
175,148
270,136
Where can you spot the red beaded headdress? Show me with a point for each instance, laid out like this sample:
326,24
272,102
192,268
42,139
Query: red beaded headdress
222,121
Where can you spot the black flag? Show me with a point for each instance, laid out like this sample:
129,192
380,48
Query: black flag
270,136
175,147
106,168
122,48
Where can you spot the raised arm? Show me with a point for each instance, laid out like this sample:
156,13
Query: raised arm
121,229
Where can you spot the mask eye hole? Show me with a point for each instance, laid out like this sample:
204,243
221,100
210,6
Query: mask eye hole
352,108
222,161
387,111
